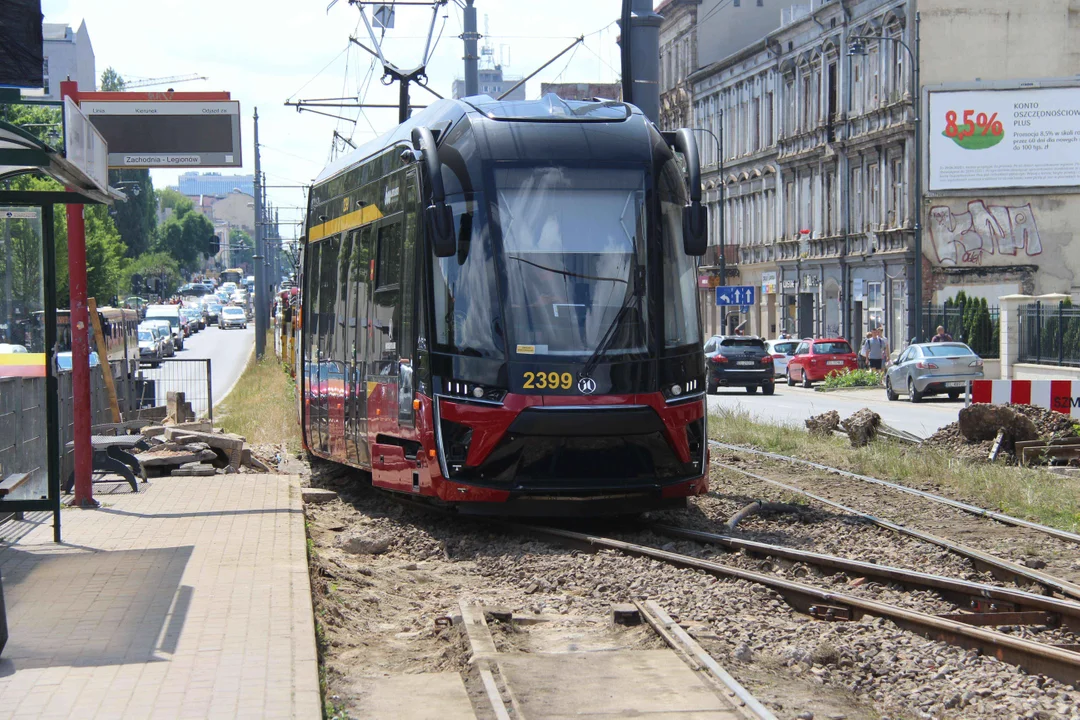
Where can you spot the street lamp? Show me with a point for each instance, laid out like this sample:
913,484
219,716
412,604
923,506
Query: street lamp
858,48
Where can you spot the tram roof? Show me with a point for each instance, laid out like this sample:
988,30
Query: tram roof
548,109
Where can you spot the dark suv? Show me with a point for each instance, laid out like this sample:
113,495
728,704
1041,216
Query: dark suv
738,361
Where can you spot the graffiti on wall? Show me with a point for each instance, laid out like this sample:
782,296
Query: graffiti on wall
967,238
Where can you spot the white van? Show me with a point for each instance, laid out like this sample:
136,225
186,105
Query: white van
172,314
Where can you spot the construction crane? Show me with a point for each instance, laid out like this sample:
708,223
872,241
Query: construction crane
150,82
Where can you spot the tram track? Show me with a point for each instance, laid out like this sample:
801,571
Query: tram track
1004,570
932,497
1062,664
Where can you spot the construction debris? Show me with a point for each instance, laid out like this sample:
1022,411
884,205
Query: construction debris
1024,427
862,427
825,424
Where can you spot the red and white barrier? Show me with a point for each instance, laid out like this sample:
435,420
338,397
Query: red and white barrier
1062,396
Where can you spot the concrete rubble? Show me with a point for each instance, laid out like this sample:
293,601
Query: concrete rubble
196,448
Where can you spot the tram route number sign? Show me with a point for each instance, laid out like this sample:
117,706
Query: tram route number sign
736,295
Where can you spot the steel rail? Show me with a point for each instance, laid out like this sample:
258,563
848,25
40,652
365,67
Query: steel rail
1003,569
966,507
959,591
1037,658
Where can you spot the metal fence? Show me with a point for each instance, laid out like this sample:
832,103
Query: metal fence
191,376
970,323
1050,334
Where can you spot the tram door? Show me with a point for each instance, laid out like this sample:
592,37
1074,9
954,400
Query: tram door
359,308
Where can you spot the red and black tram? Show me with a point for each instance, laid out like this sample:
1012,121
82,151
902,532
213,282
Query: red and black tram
499,310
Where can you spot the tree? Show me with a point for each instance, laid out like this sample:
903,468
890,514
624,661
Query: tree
111,81
242,248
186,238
104,255
180,204
159,269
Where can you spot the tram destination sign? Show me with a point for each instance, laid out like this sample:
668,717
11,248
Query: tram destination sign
1002,138
150,130
736,295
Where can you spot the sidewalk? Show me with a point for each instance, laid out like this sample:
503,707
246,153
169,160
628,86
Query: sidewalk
189,599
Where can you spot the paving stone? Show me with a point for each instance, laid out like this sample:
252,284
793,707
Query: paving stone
317,496
163,606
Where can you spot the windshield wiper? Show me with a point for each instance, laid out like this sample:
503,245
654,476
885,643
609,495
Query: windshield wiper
565,272
609,336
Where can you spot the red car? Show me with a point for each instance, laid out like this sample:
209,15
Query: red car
815,359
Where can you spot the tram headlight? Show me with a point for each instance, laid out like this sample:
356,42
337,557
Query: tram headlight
676,390
478,392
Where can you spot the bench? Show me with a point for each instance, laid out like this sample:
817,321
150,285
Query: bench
112,455
11,482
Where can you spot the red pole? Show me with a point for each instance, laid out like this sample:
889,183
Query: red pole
80,340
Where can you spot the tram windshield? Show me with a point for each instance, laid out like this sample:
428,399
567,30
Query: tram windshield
573,242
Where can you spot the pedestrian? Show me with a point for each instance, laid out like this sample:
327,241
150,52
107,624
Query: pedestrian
941,336
874,350
861,358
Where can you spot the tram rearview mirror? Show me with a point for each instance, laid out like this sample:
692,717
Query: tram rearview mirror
439,229
694,223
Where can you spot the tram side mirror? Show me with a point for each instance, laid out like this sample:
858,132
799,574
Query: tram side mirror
695,217
694,228
438,218
439,228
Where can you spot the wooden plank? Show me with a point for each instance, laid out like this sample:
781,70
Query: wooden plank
103,358
12,481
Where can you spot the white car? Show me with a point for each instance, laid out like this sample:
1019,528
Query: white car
232,317
12,348
781,351
163,332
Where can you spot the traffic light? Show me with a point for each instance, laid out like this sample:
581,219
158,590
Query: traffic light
136,284
213,245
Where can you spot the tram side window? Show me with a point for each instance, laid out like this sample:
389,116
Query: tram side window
341,311
311,300
387,310
681,325
361,260
408,268
327,294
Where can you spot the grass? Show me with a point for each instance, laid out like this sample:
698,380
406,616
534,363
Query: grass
851,379
262,405
1028,493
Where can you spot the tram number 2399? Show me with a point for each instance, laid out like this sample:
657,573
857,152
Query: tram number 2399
547,380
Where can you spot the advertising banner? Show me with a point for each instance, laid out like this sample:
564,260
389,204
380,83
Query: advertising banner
990,139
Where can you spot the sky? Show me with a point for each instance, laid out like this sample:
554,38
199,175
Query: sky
268,51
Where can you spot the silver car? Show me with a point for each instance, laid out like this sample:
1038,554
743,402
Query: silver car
932,369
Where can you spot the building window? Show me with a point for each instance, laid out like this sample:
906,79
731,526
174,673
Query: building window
857,204
875,306
789,208
830,204
856,81
768,124
896,180
873,181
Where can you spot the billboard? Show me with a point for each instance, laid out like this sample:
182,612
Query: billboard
22,59
167,133
1000,139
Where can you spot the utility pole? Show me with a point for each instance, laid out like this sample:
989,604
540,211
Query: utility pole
80,342
9,298
917,101
470,36
641,57
260,254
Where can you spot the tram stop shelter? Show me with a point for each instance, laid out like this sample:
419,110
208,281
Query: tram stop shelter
30,453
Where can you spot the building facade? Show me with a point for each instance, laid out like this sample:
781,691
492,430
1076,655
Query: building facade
818,157
583,91
492,82
68,54
678,58
194,184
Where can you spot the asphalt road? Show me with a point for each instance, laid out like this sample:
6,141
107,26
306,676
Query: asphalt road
793,405
228,352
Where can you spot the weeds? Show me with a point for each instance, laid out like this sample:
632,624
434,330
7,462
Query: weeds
262,405
1029,493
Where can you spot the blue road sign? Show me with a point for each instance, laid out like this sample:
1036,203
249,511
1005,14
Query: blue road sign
736,295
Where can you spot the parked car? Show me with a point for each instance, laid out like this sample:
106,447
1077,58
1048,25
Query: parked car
232,317
814,360
738,361
63,360
150,348
171,313
781,351
6,348
932,369
161,328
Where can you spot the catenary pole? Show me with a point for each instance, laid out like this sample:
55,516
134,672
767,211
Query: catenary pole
917,100
80,340
260,254
470,36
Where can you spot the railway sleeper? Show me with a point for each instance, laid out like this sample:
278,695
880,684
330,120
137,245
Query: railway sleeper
995,619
